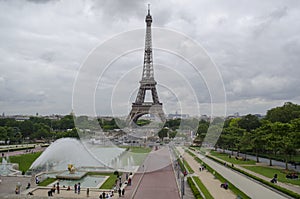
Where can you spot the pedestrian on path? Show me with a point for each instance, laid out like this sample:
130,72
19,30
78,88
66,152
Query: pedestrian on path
87,192
78,188
75,188
119,191
57,188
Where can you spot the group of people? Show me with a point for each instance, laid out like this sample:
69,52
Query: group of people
292,176
224,185
77,188
54,188
202,167
106,195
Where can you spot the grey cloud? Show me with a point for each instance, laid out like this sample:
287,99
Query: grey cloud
266,21
254,44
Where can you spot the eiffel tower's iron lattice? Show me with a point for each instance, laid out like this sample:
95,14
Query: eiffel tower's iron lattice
140,107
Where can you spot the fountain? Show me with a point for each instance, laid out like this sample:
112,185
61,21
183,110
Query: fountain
7,168
66,151
71,174
69,160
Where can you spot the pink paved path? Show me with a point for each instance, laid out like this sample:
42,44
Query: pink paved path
158,181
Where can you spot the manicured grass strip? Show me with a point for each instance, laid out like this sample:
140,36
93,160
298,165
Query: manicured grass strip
233,188
202,188
24,160
47,181
110,182
198,149
182,168
269,172
135,149
279,188
192,154
231,159
187,166
194,188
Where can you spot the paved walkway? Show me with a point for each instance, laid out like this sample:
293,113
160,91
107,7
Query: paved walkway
248,186
291,187
212,184
21,152
158,179
264,160
8,184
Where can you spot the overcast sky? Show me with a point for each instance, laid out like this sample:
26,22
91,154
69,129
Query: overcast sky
255,45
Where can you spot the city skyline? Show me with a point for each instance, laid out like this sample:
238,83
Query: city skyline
254,45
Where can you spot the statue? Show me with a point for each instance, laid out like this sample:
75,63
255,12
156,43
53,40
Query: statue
71,168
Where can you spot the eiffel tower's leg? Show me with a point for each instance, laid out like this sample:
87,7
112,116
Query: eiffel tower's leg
141,95
154,95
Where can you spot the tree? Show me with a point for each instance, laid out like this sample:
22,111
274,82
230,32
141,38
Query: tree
258,140
244,143
172,134
249,122
26,128
163,133
202,130
284,114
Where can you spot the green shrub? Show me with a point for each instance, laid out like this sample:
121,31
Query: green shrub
194,188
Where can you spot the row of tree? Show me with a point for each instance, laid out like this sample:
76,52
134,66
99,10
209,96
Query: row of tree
276,135
36,128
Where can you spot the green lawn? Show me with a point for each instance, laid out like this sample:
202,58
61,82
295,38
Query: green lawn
187,166
232,160
269,172
24,160
110,182
135,149
47,181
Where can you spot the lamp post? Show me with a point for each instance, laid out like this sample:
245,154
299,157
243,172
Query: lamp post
182,187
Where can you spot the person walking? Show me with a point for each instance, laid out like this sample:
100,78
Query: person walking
78,188
75,188
57,188
119,191
87,192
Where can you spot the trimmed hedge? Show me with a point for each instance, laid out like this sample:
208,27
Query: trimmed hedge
16,149
194,188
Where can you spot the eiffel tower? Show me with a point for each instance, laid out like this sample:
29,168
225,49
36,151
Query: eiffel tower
140,107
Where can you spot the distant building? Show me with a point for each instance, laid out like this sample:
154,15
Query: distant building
178,116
